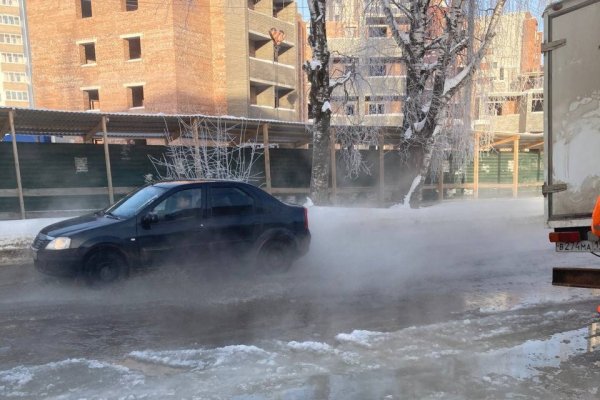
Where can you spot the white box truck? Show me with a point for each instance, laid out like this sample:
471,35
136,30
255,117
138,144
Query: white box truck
572,130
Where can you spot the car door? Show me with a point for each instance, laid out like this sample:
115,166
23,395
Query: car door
233,220
177,233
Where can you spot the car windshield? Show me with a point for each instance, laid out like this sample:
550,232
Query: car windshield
131,204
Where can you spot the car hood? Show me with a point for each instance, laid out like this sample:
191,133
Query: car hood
75,225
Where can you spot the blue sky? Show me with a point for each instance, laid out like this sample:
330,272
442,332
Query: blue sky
303,8
535,7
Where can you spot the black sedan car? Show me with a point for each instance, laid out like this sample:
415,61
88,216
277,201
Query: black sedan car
174,222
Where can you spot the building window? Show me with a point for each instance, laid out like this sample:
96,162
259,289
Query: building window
91,99
11,39
376,108
252,3
130,5
537,104
494,108
376,68
136,96
501,74
16,95
15,77
350,31
87,53
86,8
13,58
377,31
350,109
10,3
7,19
133,48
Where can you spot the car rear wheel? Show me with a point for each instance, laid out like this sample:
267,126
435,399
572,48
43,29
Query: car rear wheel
275,256
104,267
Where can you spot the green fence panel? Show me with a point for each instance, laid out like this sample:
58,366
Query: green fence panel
62,165
8,178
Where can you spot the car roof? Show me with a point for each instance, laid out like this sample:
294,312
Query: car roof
184,182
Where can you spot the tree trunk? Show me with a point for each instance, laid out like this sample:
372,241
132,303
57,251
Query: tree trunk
415,168
317,71
319,183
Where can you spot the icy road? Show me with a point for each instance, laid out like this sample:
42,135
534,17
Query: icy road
450,301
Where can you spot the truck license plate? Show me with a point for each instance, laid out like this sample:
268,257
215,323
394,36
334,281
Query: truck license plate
584,246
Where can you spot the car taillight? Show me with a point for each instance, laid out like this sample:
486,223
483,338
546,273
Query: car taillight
564,237
305,218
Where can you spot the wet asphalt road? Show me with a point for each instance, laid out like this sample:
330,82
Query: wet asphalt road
45,319
467,313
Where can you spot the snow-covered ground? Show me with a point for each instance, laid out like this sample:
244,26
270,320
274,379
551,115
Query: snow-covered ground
452,301
17,235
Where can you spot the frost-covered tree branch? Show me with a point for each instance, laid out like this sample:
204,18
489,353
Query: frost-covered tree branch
433,44
209,150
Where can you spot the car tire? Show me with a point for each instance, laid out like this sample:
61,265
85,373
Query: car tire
104,267
275,256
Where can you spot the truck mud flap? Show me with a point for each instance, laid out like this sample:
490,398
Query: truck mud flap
576,277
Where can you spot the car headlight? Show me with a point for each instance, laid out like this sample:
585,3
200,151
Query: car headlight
59,243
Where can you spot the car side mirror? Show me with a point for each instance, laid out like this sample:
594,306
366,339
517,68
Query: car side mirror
149,219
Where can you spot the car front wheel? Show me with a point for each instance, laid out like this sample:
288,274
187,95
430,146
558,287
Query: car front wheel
104,267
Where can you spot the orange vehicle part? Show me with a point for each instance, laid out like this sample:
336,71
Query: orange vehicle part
596,218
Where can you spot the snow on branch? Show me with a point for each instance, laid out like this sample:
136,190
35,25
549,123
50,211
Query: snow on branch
401,38
335,82
455,83
450,84
460,46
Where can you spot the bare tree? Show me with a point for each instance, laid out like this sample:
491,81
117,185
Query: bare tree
321,87
434,41
209,149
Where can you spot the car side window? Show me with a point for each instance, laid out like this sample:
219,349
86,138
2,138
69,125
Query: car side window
226,201
183,204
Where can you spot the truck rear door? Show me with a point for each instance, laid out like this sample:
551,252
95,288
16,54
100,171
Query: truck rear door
572,111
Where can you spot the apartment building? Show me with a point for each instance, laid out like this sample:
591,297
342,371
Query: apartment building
207,56
509,86
508,95
362,42
15,88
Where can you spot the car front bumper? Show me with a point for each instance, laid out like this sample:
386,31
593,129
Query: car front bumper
63,263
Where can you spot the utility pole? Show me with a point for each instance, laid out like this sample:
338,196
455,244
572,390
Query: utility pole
470,51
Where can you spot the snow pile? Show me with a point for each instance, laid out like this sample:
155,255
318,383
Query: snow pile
315,64
24,228
199,359
361,338
314,347
16,237
78,374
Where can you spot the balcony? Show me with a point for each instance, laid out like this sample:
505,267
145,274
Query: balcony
376,46
259,23
265,112
387,85
273,73
535,122
383,119
505,123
